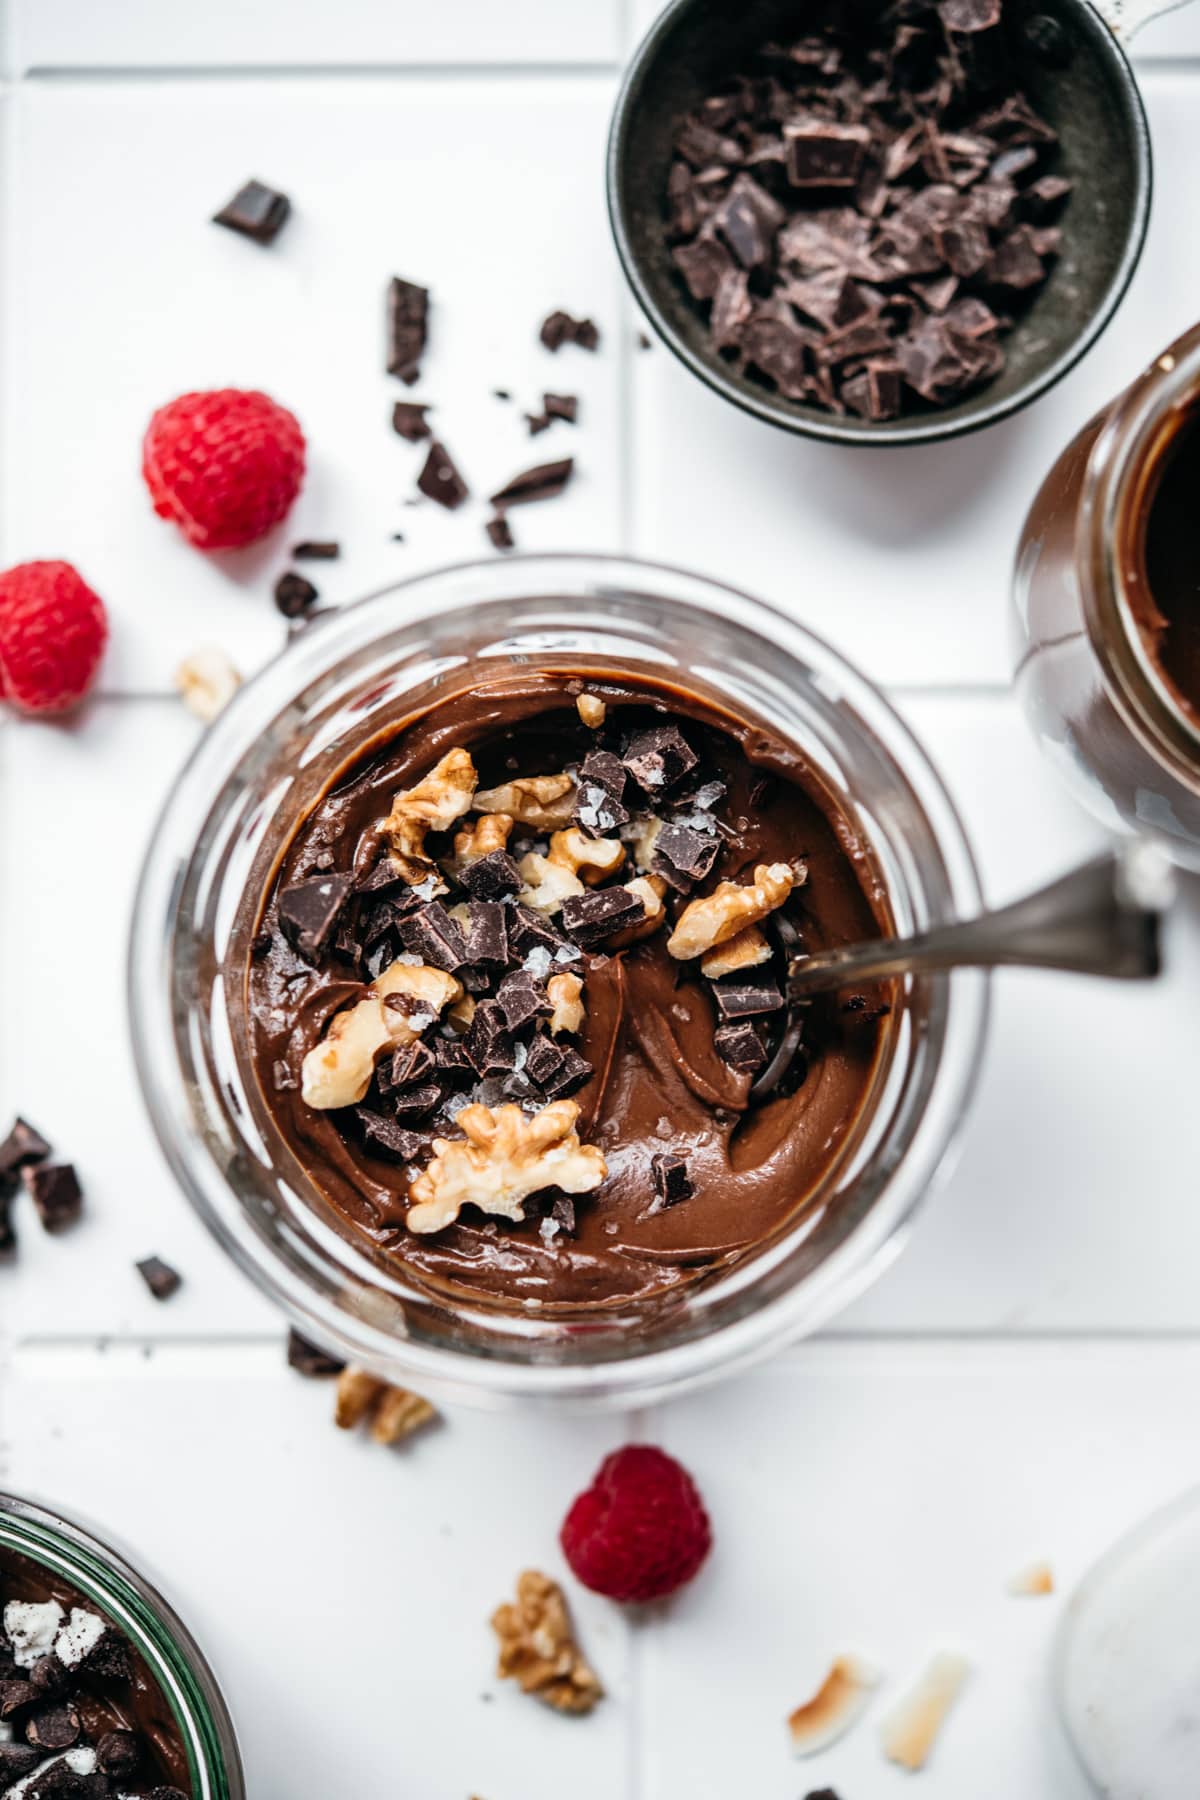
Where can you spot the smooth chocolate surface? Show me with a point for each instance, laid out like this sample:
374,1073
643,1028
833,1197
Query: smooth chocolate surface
647,1069
1172,563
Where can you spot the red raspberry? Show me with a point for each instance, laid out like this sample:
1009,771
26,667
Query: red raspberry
224,466
53,630
640,1531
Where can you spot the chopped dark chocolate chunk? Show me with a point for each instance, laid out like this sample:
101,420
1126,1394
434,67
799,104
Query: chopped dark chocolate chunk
741,1045
561,406
659,758
704,264
295,595
562,1212
683,856
822,153
409,1066
875,392
543,482
670,1175
590,918
309,912
451,1059
529,930
118,1752
159,1277
491,877
740,997
487,933
598,808
317,550
537,423
432,935
487,1042
417,1102
309,1359
22,1145
1015,262
603,769
544,1059
53,1727
256,211
499,533
749,220
409,421
440,480
521,997
55,1192
408,323
572,1073
559,328
1045,196
383,1134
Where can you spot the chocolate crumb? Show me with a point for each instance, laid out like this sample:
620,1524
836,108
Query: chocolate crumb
409,421
559,328
295,595
501,394
440,480
499,534
160,1277
309,1359
256,211
317,550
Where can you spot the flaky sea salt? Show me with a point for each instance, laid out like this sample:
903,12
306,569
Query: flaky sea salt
538,960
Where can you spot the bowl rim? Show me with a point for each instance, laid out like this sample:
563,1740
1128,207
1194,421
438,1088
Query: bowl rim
927,428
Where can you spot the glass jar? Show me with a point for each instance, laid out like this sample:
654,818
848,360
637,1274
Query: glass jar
107,1581
263,764
1086,671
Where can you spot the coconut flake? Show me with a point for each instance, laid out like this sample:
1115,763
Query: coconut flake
910,1731
30,1628
1034,1579
837,1704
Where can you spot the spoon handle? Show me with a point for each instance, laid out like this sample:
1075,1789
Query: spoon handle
1101,919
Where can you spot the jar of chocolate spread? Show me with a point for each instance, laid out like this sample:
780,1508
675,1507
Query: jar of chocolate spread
1107,607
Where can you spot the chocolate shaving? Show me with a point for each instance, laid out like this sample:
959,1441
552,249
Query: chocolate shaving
408,324
317,550
543,482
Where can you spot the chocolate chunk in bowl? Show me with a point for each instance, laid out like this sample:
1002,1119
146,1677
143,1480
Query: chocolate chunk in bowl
400,1193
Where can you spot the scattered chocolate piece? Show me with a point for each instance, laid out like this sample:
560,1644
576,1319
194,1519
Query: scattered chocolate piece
15,1696
487,932
409,1067
408,325
537,423
529,930
409,421
160,1277
742,998
309,912
501,394
741,1045
658,758
451,1057
643,342
670,1175
559,328
824,154
543,482
562,1212
487,1043
317,550
561,406
384,1134
49,1675
22,1145
55,1191
572,1073
118,1752
17,1761
53,1728
309,1359
592,917
432,935
521,997
417,1102
256,211
491,877
440,480
544,1059
499,533
683,856
295,595
109,1657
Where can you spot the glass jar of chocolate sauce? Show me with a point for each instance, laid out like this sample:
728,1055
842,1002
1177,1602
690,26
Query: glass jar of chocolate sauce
1107,607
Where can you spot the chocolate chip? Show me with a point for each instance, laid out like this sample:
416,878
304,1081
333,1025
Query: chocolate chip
432,935
522,998
17,1760
590,918
294,595
15,1696
417,1102
55,1192
49,1675
316,550
491,877
118,1752
561,406
440,479
58,1781
559,328
159,1277
658,758
109,1658
309,1359
739,999
385,1137
684,856
741,1045
487,933
409,421
309,912
22,1145
487,1043
670,1176
543,482
256,211
53,1728
408,323
499,534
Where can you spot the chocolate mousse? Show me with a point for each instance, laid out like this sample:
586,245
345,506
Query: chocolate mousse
1169,610
515,974
81,1716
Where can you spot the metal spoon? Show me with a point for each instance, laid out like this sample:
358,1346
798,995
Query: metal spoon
1101,919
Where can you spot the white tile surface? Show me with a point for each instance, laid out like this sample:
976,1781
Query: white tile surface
145,34
174,303
902,556
292,1548
1171,37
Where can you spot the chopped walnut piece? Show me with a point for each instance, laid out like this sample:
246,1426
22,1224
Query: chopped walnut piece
395,1412
461,1013
547,884
650,890
645,839
721,915
839,1701
591,710
338,1070
590,858
481,836
544,801
538,1648
207,682
565,993
1032,1581
432,805
745,951
503,1157
909,1732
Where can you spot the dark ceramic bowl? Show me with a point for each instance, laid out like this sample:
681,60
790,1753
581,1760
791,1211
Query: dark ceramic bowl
1092,102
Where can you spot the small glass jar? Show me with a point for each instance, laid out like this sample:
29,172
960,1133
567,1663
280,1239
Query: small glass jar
1086,673
265,762
105,1580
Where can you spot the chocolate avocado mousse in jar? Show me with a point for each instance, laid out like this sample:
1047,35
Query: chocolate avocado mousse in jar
476,929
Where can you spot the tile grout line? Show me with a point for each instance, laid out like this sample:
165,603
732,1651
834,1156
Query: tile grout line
43,76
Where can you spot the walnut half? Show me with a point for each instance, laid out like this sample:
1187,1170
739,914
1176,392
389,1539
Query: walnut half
337,1071
538,1649
729,909
503,1158
544,801
432,805
395,1412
